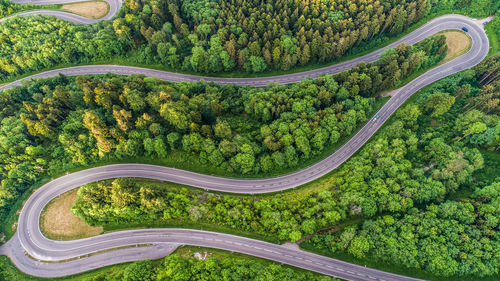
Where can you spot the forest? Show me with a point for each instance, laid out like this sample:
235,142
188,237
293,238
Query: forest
205,36
52,125
8,8
36,42
453,238
472,8
417,196
401,182
257,35
456,236
249,36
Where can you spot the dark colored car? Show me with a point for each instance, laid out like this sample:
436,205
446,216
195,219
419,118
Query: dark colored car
465,29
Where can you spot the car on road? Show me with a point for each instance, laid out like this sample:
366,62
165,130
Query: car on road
465,29
376,117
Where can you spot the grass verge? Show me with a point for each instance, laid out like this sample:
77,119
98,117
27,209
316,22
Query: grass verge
10,272
493,38
191,225
189,251
28,7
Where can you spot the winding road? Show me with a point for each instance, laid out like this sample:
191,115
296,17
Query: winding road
34,254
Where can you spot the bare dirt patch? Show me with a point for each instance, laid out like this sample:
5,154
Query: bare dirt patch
458,44
390,93
58,222
91,9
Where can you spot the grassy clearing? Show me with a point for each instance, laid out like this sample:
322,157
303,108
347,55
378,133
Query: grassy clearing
458,44
58,222
90,9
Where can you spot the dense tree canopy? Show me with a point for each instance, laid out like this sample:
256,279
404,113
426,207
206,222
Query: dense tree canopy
8,8
453,238
410,163
392,173
473,8
37,42
214,36
401,181
206,36
418,159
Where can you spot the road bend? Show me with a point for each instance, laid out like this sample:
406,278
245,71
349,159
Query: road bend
114,7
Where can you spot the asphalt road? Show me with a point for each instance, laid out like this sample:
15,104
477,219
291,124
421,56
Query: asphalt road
114,7
72,255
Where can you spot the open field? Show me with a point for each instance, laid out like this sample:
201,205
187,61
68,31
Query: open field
90,9
57,221
458,44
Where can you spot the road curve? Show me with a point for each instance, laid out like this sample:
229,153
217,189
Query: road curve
114,7
70,254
